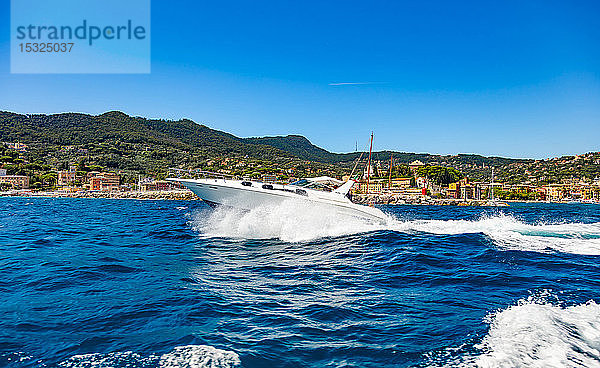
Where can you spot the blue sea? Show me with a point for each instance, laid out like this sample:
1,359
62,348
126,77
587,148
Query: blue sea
128,283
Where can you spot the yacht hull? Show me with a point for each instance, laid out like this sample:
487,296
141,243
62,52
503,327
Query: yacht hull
232,193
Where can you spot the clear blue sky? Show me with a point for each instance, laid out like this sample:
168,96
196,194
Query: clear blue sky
508,78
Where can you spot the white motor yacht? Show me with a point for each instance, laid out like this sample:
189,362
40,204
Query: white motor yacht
323,192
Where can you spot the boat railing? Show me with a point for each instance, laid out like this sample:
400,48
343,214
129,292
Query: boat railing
199,174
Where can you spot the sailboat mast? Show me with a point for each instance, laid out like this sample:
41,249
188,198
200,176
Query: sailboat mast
369,163
390,177
492,185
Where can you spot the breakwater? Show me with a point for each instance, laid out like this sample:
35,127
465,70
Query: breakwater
185,195
395,199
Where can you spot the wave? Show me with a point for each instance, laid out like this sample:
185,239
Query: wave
199,356
537,333
509,233
188,356
297,222
289,221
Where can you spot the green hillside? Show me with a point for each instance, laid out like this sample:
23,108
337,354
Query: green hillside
134,145
298,146
118,128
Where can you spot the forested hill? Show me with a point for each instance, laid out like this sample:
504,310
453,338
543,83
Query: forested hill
302,148
298,146
118,129
117,141
130,144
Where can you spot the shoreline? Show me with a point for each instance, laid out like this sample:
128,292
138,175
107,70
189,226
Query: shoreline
186,195
178,195
383,199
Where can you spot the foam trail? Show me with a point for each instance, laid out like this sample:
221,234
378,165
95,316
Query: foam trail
189,356
298,221
291,221
199,356
536,333
510,233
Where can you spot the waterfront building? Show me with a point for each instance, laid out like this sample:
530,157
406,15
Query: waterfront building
555,192
159,185
415,192
105,182
541,193
399,184
422,182
523,188
66,177
269,178
16,146
453,190
90,175
370,170
375,186
415,165
590,192
466,192
16,181
477,191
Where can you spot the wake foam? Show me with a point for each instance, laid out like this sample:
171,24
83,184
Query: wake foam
298,221
291,221
189,356
536,333
509,233
199,356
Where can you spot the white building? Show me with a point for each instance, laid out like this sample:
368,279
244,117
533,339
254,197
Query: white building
369,170
66,177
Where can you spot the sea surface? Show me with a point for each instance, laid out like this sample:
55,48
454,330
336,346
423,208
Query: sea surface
128,283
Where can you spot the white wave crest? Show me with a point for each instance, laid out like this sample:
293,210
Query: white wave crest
290,221
125,358
296,222
535,333
510,233
189,356
199,356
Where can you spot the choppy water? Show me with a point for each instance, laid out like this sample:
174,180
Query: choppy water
124,283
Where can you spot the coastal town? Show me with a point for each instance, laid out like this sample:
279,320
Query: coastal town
382,182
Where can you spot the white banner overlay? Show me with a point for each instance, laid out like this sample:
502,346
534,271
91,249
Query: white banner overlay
74,36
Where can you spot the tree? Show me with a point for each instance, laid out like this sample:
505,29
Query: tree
440,175
49,179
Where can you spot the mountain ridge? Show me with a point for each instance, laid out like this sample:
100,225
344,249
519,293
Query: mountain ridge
119,141
298,145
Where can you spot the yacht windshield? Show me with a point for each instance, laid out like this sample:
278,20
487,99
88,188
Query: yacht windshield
303,183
